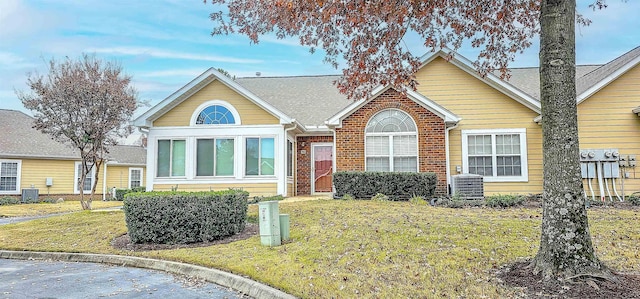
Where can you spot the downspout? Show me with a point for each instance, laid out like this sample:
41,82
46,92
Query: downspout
148,181
286,146
447,158
104,182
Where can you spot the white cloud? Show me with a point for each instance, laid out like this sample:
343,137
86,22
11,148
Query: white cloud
160,53
9,60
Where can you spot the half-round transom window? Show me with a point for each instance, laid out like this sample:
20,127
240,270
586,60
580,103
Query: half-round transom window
215,115
391,120
391,142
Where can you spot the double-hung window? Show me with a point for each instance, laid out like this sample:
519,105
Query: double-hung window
88,180
498,155
9,176
391,139
171,158
135,177
259,156
214,157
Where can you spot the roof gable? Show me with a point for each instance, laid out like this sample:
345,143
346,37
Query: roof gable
425,102
204,79
490,79
594,81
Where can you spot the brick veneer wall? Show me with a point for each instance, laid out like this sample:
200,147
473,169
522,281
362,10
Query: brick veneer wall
303,158
431,136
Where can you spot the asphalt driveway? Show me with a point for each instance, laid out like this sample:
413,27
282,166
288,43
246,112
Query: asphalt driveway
48,279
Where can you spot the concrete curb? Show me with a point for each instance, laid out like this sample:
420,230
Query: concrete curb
236,282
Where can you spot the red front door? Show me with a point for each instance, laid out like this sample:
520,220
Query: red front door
322,168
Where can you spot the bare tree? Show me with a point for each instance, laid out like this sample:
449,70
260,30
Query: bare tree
368,36
86,104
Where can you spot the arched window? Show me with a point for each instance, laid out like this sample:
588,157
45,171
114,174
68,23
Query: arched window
391,142
215,115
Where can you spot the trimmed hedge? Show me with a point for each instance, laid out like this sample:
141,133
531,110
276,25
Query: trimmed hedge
120,193
396,185
184,217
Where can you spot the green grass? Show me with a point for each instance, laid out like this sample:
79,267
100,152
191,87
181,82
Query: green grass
36,209
359,248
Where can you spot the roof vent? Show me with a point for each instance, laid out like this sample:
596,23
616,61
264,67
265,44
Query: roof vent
258,74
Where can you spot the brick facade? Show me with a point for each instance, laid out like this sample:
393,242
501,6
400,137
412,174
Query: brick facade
350,141
431,136
303,158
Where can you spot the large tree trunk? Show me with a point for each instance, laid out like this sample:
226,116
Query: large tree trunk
565,250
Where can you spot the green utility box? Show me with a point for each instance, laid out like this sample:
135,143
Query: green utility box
284,227
269,215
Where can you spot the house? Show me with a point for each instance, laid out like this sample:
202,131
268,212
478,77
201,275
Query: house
31,159
287,135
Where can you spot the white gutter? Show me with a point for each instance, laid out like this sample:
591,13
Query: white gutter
447,158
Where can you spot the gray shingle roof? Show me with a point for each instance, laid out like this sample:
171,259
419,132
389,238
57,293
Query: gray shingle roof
18,139
313,99
309,99
585,82
528,79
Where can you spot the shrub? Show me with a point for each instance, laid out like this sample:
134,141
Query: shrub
50,200
9,200
417,200
120,193
184,217
380,197
396,185
459,203
504,201
634,199
347,197
257,199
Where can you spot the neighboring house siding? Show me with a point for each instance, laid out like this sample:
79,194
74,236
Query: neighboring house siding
250,113
117,176
482,107
35,172
303,161
606,121
350,138
254,189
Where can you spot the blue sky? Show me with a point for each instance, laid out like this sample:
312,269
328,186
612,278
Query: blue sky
164,44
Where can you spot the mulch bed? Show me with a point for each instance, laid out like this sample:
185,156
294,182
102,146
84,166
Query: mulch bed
124,242
519,275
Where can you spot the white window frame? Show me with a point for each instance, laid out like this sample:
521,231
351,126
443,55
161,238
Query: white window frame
18,175
524,174
132,169
391,136
225,104
215,175
275,156
77,176
186,157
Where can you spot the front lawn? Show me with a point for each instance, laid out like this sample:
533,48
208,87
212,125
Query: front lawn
359,248
37,209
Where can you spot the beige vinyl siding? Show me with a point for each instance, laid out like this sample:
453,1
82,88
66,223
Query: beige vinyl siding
606,121
290,190
250,113
482,107
118,176
35,172
254,189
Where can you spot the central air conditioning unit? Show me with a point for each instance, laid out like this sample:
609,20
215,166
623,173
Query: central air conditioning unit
467,186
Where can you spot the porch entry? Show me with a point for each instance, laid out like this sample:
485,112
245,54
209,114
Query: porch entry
321,167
